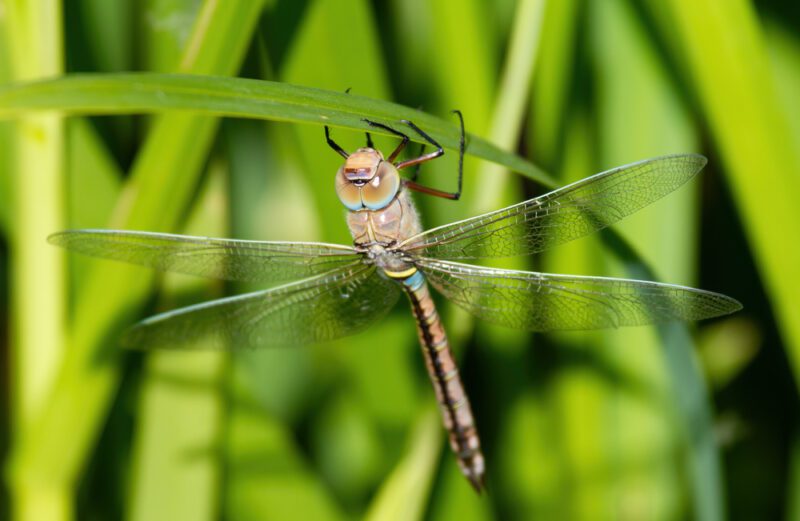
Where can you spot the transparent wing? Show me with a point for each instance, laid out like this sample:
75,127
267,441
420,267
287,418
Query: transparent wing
546,302
229,259
318,309
559,216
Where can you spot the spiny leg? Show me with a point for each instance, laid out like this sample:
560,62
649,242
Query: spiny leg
433,155
397,133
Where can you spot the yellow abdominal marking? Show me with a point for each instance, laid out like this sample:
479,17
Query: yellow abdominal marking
401,274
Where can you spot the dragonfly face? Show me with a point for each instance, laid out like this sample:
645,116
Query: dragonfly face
319,292
366,181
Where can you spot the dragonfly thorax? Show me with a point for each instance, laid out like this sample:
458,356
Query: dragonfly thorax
366,181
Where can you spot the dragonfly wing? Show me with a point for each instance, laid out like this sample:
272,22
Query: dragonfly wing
559,216
228,259
326,307
547,302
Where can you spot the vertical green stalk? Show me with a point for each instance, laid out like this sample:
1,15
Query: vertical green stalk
642,114
181,407
509,105
38,283
721,43
156,197
517,452
552,82
403,495
6,130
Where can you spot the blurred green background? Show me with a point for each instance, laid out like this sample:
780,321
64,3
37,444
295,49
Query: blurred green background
684,422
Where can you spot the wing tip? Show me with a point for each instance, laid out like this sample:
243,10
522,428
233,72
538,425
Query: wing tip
733,305
55,238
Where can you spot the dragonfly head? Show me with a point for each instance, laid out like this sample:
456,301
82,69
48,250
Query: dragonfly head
367,181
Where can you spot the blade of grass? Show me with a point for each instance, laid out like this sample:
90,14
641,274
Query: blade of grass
495,189
38,291
177,439
94,177
784,48
277,384
268,471
641,114
155,198
404,494
131,93
100,34
793,498
577,450
93,184
38,295
721,43
176,444
6,133
464,45
509,105
581,398
552,82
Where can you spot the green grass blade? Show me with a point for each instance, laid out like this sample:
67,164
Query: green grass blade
38,295
552,82
132,93
581,395
784,47
156,197
176,444
641,114
38,185
94,177
268,472
404,494
6,133
507,118
276,383
495,189
721,44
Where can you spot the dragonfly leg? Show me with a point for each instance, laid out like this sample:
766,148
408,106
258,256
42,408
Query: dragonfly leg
416,162
331,143
397,133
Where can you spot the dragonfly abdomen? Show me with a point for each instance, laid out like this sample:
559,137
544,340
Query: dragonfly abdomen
442,369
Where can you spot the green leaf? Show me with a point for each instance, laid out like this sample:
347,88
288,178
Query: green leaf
404,494
132,93
641,114
155,197
722,46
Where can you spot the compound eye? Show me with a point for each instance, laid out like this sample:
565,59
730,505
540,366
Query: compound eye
382,188
349,194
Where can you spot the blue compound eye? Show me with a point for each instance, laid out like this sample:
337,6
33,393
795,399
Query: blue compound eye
349,194
381,189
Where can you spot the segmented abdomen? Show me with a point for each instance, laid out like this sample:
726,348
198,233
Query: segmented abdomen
443,372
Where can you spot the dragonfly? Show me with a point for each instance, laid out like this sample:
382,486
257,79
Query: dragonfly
318,292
